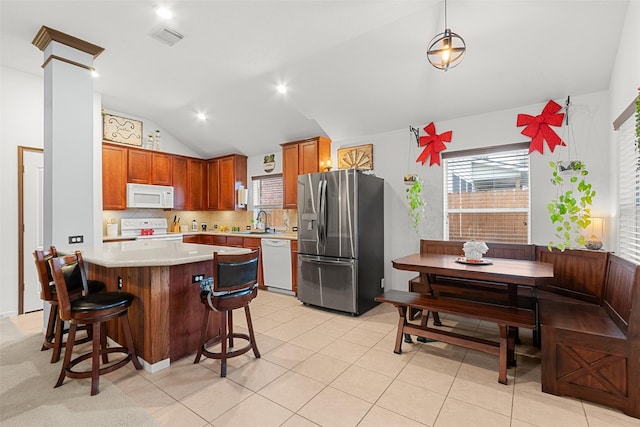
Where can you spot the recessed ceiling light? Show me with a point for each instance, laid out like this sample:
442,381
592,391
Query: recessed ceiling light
164,12
94,73
282,88
201,116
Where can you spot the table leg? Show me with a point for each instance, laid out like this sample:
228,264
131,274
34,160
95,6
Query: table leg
402,320
502,368
511,349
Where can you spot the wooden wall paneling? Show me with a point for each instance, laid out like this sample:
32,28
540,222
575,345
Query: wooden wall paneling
186,311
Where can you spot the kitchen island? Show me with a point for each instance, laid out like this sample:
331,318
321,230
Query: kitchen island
166,315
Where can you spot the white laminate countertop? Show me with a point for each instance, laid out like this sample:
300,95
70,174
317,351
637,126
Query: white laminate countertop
148,253
285,236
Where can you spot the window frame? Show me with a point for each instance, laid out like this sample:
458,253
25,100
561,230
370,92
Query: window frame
477,152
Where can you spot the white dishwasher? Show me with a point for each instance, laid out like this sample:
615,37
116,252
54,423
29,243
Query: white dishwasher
276,263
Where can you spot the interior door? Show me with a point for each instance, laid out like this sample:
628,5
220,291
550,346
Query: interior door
33,235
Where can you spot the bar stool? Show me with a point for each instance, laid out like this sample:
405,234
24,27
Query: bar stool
92,310
55,325
235,284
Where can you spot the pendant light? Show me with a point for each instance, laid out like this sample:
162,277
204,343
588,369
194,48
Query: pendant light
447,48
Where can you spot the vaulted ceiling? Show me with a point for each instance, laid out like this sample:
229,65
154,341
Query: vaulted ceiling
353,67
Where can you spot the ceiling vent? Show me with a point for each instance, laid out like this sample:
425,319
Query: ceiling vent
168,36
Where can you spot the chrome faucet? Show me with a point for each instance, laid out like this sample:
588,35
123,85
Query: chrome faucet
266,228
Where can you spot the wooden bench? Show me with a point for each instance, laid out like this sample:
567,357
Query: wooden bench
507,319
592,351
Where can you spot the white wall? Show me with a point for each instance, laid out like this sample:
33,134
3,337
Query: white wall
22,124
21,112
394,156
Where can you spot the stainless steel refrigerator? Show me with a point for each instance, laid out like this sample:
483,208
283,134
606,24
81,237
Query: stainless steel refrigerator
340,240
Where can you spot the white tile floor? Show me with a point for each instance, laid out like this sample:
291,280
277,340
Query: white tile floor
327,369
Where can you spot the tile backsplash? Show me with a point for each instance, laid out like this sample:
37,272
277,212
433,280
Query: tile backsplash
276,218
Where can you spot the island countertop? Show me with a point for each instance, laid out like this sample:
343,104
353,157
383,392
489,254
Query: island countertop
148,253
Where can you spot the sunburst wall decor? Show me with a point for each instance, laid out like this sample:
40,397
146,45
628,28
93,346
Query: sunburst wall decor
357,157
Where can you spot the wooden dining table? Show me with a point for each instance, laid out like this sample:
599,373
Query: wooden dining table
510,272
505,275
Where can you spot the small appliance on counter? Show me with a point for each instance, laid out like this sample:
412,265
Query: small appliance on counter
147,228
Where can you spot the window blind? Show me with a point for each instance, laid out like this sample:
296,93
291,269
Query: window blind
487,195
628,193
267,191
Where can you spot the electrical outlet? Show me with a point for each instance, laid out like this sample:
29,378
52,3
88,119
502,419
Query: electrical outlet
294,228
76,239
119,283
197,278
215,226
382,283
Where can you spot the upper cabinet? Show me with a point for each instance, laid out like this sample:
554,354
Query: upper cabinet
301,157
149,167
114,177
161,168
225,175
180,182
198,184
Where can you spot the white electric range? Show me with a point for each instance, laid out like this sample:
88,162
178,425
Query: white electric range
147,228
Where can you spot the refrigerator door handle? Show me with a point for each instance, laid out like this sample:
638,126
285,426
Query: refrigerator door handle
315,260
322,221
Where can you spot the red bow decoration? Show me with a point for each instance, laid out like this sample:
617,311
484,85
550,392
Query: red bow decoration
433,144
538,127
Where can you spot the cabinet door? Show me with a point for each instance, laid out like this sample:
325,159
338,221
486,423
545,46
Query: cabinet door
161,169
254,243
139,168
294,266
227,181
197,184
290,176
114,177
213,171
308,161
180,183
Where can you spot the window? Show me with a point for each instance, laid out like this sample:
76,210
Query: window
628,193
487,194
267,194
267,191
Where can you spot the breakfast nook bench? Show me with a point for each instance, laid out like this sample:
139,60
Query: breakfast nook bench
592,351
507,319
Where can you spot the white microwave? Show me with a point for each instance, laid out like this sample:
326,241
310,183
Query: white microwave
149,196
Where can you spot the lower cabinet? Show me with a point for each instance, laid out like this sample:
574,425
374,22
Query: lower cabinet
294,266
234,241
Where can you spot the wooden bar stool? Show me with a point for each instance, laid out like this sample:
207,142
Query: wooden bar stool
93,310
55,325
235,284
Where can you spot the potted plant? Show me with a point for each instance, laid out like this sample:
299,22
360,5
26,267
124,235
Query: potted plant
570,209
416,201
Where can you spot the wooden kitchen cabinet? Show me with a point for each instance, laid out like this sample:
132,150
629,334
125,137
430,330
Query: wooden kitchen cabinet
189,183
301,157
225,175
294,266
139,166
148,167
180,182
114,177
161,169
255,243
197,184
213,171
